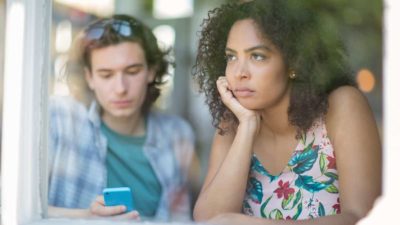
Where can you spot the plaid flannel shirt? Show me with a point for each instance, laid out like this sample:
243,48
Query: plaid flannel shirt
77,153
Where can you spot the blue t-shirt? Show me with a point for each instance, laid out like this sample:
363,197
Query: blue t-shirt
127,166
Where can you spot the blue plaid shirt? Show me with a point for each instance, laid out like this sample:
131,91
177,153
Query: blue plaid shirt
77,154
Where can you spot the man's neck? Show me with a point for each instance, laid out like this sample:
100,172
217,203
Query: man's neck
130,126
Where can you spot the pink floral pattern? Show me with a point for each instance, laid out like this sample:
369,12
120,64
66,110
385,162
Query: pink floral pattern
307,188
284,190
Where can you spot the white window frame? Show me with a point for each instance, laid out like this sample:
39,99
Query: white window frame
24,145
24,141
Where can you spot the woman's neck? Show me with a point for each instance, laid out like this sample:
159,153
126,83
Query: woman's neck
131,126
275,120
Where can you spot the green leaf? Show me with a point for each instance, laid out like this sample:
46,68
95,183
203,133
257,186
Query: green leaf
322,163
304,161
303,139
275,214
309,146
321,210
332,175
285,203
254,190
297,199
257,166
332,189
308,183
298,211
262,209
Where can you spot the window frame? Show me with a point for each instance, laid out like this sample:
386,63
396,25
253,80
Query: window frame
25,116
24,144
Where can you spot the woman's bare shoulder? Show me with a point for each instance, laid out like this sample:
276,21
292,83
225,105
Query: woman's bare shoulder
349,111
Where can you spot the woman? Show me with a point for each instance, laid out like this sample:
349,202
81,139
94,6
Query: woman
296,139
117,140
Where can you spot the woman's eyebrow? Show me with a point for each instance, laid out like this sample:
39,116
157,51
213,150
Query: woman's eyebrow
264,47
229,50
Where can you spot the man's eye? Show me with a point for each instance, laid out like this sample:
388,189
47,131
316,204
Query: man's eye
132,72
105,75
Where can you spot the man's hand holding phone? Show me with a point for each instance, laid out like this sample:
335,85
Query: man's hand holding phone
115,203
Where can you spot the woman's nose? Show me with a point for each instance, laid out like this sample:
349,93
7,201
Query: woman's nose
242,71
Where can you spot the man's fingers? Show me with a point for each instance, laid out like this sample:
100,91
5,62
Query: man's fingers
100,199
133,215
101,210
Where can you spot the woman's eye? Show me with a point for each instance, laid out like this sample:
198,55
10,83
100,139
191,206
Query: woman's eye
258,57
230,57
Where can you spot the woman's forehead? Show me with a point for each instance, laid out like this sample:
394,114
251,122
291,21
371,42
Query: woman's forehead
247,31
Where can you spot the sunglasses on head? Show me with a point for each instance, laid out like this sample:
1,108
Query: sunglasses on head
121,27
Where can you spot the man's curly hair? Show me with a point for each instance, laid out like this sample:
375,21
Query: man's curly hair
80,57
309,48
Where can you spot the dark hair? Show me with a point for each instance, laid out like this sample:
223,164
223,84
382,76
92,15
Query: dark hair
308,47
84,44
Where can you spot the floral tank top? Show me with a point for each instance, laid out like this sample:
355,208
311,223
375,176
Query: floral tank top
307,187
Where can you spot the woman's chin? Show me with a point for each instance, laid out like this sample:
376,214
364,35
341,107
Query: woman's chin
250,105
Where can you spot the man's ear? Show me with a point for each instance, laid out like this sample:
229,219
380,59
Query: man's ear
151,75
89,78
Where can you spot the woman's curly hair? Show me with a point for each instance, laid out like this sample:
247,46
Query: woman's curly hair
308,47
79,57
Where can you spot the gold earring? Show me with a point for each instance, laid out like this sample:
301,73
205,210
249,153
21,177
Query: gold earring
292,75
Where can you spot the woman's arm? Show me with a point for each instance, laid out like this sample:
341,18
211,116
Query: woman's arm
225,184
240,219
354,136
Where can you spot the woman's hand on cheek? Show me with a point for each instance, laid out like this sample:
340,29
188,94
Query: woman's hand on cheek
98,209
244,115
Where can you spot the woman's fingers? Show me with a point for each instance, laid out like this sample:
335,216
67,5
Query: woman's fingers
243,114
229,99
226,94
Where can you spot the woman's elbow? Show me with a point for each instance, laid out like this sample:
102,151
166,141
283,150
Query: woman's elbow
200,214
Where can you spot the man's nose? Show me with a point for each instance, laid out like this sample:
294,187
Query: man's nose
120,84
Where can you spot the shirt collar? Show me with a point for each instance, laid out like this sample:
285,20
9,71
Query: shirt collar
94,113
153,131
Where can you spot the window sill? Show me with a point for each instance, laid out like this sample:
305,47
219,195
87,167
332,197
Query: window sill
65,221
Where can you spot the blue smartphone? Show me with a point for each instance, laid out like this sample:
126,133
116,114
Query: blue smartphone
119,196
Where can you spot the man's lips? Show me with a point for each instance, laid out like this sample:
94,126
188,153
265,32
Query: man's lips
121,103
243,92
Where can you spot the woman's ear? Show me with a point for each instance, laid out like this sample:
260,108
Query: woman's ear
89,78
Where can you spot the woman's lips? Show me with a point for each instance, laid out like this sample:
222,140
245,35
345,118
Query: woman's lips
243,92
